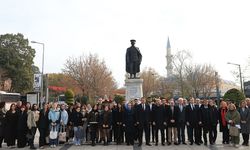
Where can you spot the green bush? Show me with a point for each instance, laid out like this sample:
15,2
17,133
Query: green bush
69,96
234,96
119,99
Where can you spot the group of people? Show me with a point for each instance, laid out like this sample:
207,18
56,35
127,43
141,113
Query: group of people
125,123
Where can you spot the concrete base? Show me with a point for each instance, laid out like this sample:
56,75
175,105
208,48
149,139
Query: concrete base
133,89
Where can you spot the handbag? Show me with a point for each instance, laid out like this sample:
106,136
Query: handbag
233,131
53,133
62,134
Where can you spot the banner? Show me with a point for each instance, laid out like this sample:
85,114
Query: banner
37,82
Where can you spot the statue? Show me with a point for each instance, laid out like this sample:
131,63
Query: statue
133,60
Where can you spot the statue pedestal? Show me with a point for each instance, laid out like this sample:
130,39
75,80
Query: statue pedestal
133,89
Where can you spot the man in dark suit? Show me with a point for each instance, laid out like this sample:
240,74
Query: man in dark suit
181,122
151,125
205,120
142,121
198,104
214,121
172,120
159,113
192,121
136,128
165,104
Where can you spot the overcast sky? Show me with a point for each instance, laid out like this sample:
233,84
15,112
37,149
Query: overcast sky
214,31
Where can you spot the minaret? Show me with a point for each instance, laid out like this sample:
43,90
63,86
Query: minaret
169,60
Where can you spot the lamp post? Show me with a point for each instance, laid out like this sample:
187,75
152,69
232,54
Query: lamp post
241,87
42,68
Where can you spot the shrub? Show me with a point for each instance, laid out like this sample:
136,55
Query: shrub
69,96
234,96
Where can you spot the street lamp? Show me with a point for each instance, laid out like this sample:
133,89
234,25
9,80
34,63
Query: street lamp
42,68
240,74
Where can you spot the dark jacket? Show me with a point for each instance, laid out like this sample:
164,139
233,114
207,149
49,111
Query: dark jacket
93,116
214,115
22,121
172,115
43,122
118,116
143,116
77,119
182,115
192,116
159,113
106,119
206,117
245,116
129,118
11,125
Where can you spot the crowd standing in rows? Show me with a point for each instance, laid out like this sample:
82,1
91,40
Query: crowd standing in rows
125,123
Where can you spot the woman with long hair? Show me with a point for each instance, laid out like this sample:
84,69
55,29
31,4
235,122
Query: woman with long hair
245,122
233,119
106,122
78,126
223,123
11,126
22,127
43,125
32,121
54,122
93,119
118,122
85,122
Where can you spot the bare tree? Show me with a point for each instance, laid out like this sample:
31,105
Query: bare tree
180,61
150,81
91,74
201,79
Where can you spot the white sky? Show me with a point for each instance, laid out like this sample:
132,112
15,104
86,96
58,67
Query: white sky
215,31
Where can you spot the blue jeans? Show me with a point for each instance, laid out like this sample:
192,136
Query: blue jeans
78,135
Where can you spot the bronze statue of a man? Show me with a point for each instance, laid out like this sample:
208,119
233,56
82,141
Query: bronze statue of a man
133,60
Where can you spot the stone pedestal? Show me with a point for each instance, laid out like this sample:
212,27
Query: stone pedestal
133,89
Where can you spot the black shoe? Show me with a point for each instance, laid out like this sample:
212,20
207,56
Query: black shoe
197,143
175,143
93,143
148,144
184,143
205,143
139,144
156,144
32,147
163,144
169,143
191,143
